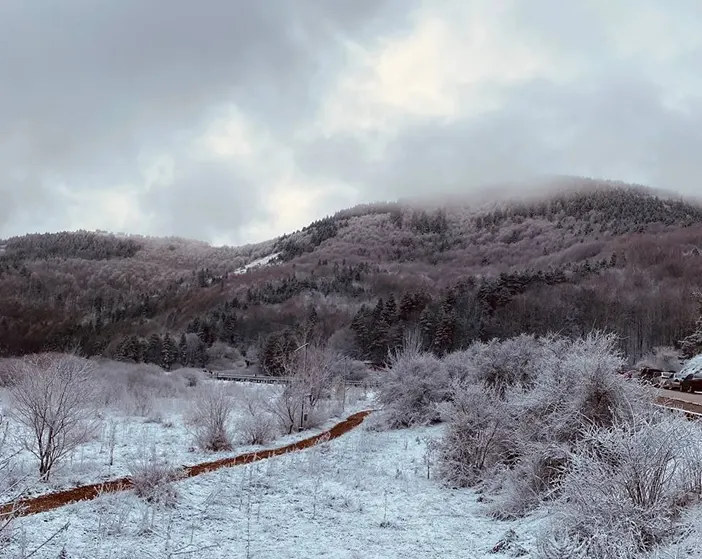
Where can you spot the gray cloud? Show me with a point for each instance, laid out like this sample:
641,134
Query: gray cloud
615,128
354,100
91,88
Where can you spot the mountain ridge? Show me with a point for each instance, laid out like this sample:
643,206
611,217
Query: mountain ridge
510,260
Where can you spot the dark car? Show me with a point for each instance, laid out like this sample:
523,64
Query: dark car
692,382
649,375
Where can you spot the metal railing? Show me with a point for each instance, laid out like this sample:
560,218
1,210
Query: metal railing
265,379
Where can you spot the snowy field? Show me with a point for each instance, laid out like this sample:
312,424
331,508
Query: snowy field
364,495
143,424
588,468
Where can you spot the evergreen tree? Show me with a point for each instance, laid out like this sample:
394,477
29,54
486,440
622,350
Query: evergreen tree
445,334
389,310
427,325
200,354
154,349
406,306
312,316
129,349
169,352
183,350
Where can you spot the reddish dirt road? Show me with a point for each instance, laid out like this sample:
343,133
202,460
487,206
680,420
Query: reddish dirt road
52,501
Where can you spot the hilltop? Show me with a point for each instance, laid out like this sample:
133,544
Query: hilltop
585,255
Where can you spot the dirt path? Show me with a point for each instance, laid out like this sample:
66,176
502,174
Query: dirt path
52,501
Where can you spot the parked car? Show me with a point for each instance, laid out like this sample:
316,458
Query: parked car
649,375
692,382
671,380
689,379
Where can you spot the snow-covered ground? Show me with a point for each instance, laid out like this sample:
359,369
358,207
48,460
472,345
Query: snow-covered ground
160,431
364,495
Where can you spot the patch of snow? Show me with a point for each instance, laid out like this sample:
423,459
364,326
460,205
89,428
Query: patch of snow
265,261
693,366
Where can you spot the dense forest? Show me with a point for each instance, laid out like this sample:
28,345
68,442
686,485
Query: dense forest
596,255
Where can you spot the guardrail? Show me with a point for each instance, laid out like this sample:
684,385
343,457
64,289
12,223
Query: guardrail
263,379
692,415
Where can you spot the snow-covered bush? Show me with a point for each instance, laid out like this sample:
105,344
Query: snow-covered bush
514,431
303,403
478,435
626,486
152,479
209,418
258,425
499,364
410,391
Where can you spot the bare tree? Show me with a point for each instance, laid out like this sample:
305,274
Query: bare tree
52,398
310,371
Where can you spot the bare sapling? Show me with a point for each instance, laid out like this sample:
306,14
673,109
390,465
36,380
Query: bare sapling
52,399
311,371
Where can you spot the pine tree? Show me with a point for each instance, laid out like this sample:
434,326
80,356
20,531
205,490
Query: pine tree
312,317
153,350
130,349
378,310
427,325
169,352
445,334
388,314
183,350
200,354
229,328
406,306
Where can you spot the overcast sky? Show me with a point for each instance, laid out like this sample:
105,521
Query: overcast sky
233,121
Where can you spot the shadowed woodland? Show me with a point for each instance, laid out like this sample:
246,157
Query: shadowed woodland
598,256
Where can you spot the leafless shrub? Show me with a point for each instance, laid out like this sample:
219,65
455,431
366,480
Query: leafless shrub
515,435
311,371
622,493
411,389
209,418
192,377
477,437
500,364
52,399
152,479
258,425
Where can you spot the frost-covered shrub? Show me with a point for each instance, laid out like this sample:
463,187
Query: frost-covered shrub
626,485
411,389
477,438
532,480
500,364
209,418
258,425
515,435
152,479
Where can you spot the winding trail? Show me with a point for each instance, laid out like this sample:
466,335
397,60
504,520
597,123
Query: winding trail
59,499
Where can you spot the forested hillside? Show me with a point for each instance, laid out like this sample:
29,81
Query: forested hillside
596,255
